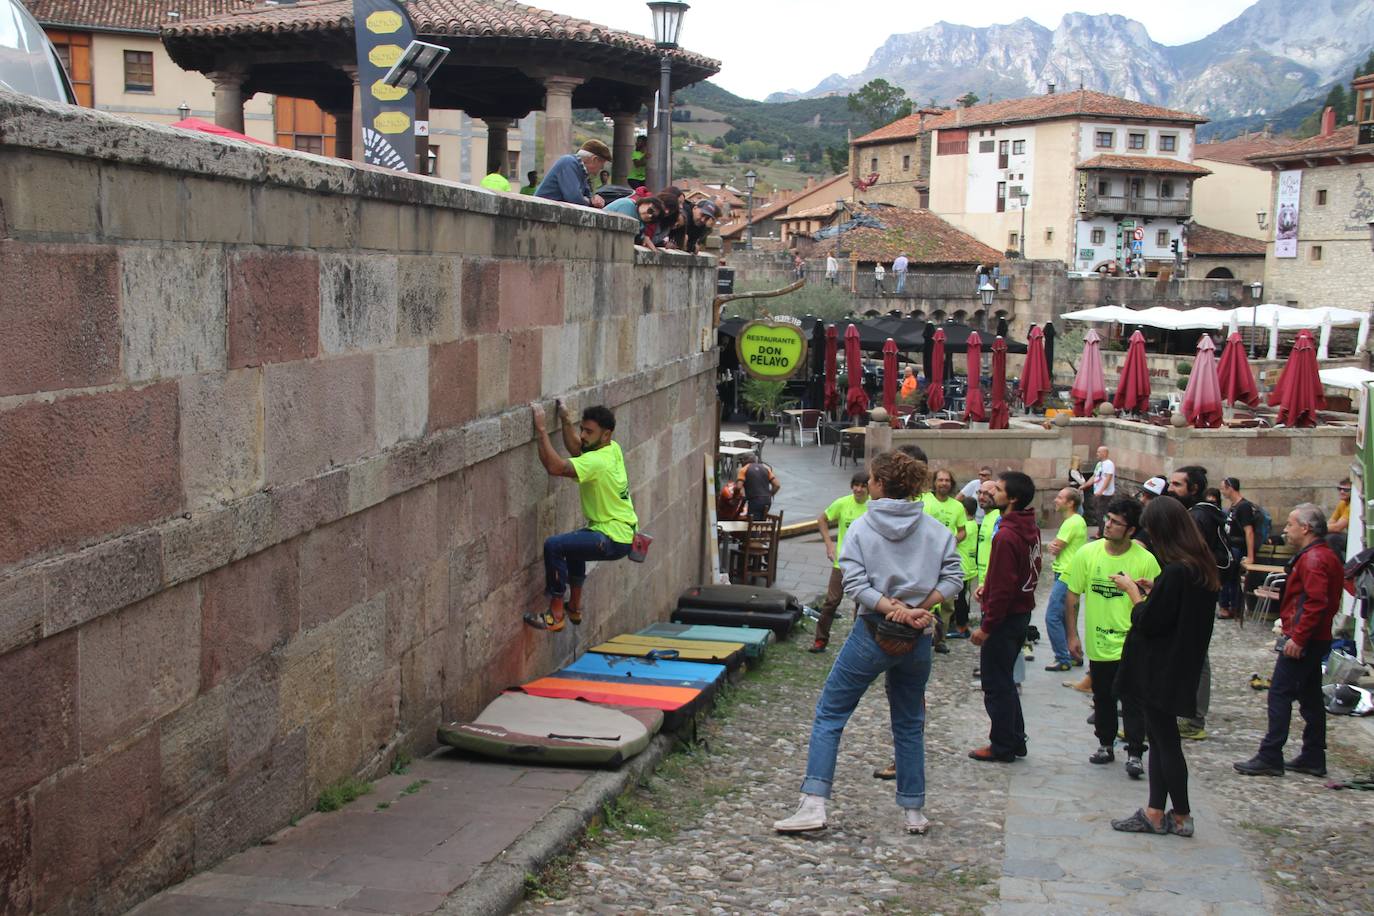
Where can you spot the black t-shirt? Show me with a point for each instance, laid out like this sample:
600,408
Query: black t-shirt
756,483
1210,520
1242,514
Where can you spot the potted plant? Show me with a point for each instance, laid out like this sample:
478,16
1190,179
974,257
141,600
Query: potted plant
765,401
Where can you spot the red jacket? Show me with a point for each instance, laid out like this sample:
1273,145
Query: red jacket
1316,578
1013,568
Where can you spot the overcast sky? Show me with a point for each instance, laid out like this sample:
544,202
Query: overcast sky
774,45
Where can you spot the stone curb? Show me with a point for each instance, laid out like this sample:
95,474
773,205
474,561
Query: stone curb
499,886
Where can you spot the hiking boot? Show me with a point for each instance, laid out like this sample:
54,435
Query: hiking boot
1103,754
916,822
1256,766
810,815
1298,765
1191,731
819,645
942,648
987,755
1134,767
887,772
1059,666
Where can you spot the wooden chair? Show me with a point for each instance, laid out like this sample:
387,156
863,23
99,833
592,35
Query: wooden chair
851,447
757,555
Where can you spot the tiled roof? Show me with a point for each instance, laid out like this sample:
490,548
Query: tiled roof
907,128
1144,164
1079,103
1206,242
1343,138
761,212
495,19
1235,150
128,15
820,212
923,237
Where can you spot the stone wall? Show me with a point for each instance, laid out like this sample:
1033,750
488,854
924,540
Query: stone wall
269,504
1340,228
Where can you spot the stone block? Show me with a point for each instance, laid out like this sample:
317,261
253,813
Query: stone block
274,308
1269,446
173,311
16,854
39,683
31,181
221,436
452,384
281,218
368,482
360,644
429,299
141,204
531,294
357,302
306,504
309,678
22,599
249,608
332,579
401,536
402,395
101,579
422,682
139,664
527,360
85,466
333,220
252,704
379,225
194,749
416,608
319,414
481,296
161,862
256,802
560,355
216,210
60,312
494,381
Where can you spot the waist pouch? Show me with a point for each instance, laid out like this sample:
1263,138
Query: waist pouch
892,637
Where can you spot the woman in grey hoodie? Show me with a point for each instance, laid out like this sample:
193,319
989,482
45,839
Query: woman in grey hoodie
897,564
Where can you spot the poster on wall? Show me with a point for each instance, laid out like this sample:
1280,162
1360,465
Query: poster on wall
382,31
1286,218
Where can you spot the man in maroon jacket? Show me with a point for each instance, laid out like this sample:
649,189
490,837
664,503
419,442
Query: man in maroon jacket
1311,598
1008,596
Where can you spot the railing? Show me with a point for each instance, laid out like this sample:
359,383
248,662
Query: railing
1140,206
1146,291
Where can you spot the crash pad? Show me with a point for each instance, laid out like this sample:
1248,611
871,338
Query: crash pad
755,639
535,729
677,703
731,655
595,666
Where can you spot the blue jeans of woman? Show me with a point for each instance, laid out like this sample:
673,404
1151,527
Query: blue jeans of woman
566,556
856,667
1054,621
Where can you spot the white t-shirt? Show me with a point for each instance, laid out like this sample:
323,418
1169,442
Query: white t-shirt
832,266
970,489
899,265
879,271
1104,468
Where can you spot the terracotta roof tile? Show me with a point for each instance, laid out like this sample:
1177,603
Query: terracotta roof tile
1343,138
1204,241
128,15
907,128
1144,164
1080,103
1235,150
820,212
923,237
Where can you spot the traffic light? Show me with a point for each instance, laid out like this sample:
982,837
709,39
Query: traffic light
1173,246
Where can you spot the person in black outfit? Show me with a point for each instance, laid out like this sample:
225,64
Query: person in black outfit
760,486
1162,659
1242,534
1187,484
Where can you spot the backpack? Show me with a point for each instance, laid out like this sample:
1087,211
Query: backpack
1264,525
1221,546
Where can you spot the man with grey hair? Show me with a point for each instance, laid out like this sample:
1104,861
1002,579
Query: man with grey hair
569,178
1311,598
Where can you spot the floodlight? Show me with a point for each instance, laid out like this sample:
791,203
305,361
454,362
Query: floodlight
417,65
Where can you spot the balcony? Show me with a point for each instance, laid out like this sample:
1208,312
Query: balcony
1126,205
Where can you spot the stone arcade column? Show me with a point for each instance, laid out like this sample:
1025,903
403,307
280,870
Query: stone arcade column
623,147
229,97
353,124
558,93
498,144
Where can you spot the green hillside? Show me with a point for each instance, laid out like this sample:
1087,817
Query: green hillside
799,125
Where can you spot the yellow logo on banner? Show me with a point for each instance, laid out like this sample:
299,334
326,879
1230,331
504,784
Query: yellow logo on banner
384,22
385,55
391,122
381,90
771,350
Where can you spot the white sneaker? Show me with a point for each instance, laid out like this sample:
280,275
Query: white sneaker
810,815
916,821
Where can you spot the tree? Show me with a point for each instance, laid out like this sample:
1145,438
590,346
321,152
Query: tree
1368,68
968,99
838,157
880,102
685,169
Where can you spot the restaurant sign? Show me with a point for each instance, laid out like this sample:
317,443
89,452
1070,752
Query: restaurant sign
771,349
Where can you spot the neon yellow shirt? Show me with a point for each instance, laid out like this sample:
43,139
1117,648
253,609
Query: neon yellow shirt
605,491
986,529
949,513
968,550
844,511
1106,608
496,182
1074,533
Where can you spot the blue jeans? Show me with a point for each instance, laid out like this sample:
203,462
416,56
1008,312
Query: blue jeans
901,281
1055,623
566,556
856,667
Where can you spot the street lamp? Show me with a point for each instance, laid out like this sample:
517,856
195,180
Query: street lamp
985,294
1024,196
1256,293
750,179
1371,235
667,26
183,111
1262,217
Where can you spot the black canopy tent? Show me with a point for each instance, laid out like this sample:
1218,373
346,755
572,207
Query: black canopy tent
908,333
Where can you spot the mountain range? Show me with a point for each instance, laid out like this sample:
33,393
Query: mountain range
1275,53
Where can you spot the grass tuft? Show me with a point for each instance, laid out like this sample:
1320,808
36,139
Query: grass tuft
341,793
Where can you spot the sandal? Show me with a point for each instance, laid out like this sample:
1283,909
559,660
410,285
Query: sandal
1172,825
1139,823
544,620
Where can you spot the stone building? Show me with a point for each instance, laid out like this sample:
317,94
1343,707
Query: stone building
891,165
1216,254
1238,189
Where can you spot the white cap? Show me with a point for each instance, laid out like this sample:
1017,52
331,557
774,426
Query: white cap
1156,485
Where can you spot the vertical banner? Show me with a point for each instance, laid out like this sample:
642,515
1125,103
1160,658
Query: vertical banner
383,31
1286,217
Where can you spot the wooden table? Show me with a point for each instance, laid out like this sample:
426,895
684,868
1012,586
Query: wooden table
1265,568
733,527
738,437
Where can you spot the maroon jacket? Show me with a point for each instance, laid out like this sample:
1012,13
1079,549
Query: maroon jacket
1013,568
1312,594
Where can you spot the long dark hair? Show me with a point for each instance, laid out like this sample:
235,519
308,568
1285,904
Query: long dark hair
1175,538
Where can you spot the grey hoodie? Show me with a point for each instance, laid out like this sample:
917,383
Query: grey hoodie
896,550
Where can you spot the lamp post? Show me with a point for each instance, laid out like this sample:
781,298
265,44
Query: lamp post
1256,293
667,16
1024,196
750,179
183,111
1371,235
985,294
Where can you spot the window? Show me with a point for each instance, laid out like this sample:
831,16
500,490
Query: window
1099,236
1104,186
1001,196
952,143
1135,186
1049,236
310,143
1013,240
138,71
1018,147
987,146
1366,112
1166,189
1106,139
873,164
300,124
1168,143
906,163
1136,141
1162,238
1321,197
1316,252
74,50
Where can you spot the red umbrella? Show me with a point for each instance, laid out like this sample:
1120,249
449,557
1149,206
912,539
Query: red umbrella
1236,380
1133,388
1202,397
1035,375
1089,389
1000,417
974,402
207,128
855,401
890,377
1298,395
935,393
832,393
